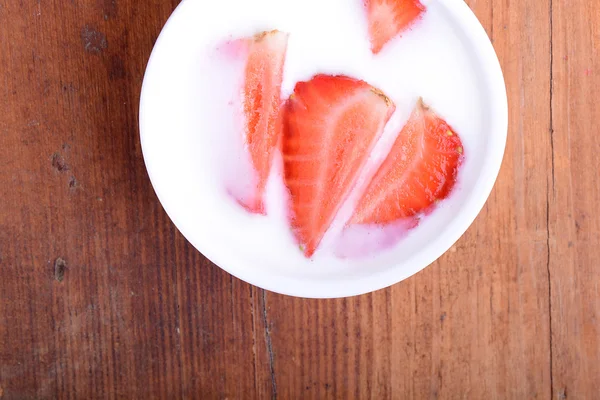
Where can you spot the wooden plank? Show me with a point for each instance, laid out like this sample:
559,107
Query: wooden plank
494,288
575,195
475,324
133,311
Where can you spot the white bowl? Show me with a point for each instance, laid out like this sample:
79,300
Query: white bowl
181,141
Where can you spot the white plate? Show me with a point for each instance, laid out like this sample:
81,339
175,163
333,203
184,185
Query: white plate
447,58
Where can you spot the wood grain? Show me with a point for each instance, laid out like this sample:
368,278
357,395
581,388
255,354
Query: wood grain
101,297
574,196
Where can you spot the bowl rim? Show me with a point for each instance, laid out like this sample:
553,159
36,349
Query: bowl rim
345,288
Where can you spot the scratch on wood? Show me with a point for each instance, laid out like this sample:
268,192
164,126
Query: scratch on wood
58,163
93,40
60,266
73,184
253,340
269,344
562,394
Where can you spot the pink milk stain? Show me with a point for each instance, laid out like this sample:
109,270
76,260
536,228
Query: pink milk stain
357,241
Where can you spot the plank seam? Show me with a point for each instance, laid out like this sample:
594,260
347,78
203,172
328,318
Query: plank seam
269,345
548,199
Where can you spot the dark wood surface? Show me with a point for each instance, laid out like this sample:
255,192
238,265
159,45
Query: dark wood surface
101,297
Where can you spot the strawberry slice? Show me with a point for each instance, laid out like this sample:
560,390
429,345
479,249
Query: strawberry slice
420,170
388,18
330,127
262,106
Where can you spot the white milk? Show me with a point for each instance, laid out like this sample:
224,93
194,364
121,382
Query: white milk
431,60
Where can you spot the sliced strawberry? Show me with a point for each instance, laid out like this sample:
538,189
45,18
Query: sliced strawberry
388,18
420,170
262,109
331,125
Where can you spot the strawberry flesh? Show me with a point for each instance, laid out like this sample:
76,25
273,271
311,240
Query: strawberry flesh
419,171
262,107
331,124
388,18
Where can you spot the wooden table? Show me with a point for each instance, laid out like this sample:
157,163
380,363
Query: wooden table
101,297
